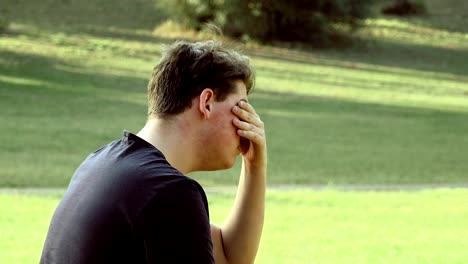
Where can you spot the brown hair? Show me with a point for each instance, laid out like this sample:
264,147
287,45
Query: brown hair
185,69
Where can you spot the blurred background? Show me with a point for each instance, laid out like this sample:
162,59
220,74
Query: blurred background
349,94
365,104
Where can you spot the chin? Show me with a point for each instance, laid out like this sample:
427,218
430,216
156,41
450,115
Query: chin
230,164
222,165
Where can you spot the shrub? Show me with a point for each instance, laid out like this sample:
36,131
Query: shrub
193,13
405,8
300,20
270,20
3,24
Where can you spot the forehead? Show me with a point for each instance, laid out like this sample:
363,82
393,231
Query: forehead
240,91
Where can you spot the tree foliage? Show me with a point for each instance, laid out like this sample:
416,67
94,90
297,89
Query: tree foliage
3,24
193,13
405,8
267,20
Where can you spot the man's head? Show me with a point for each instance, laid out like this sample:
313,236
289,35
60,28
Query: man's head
186,69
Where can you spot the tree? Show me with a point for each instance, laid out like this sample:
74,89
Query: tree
269,20
3,24
405,8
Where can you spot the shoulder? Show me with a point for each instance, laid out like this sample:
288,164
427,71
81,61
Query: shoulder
179,189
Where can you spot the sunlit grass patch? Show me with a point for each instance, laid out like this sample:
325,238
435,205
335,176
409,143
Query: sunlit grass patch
411,32
300,226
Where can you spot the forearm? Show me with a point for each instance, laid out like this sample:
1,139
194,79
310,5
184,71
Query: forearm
242,229
238,239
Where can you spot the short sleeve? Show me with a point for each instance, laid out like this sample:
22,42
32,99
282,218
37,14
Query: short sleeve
175,226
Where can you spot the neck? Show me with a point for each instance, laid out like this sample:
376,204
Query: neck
171,137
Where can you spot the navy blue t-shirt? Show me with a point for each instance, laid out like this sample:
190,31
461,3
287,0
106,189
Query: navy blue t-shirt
127,204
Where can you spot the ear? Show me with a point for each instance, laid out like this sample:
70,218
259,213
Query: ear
205,103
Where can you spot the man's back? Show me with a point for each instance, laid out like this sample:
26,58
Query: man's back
127,204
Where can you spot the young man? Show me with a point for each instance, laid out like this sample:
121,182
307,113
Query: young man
130,202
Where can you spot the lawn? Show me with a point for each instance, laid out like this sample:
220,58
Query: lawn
301,226
391,110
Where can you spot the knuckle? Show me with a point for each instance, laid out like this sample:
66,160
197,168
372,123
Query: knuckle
261,124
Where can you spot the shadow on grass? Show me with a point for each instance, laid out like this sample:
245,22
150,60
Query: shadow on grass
323,141
127,14
449,15
58,76
395,57
122,19
55,117
377,85
314,140
451,22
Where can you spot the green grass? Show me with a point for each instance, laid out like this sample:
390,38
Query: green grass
301,226
84,14
391,110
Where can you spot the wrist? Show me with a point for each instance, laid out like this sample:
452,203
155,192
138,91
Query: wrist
255,167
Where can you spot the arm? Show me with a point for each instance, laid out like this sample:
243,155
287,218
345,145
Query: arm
238,239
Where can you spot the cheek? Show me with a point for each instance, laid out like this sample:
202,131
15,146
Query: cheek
226,132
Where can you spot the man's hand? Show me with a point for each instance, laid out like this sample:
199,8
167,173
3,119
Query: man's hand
252,132
238,239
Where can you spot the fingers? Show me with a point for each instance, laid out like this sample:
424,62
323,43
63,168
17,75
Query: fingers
251,135
251,130
248,107
249,124
246,113
247,127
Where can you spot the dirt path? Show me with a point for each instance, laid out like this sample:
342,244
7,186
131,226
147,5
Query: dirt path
284,187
